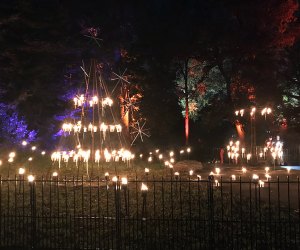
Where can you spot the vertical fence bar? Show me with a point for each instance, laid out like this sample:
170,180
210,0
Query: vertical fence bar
289,211
241,214
1,218
250,209
270,238
33,213
279,221
15,215
210,212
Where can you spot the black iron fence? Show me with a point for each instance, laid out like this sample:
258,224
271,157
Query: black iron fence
64,213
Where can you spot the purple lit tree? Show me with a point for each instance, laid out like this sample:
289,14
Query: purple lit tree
13,128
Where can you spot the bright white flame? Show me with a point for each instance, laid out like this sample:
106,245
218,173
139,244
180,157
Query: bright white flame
144,187
43,153
255,177
10,160
24,143
54,174
218,170
146,170
233,177
268,176
12,155
176,174
115,179
97,156
160,156
21,171
172,160
267,169
171,154
107,101
150,159
188,150
33,148
30,178
261,183
30,159
248,157
244,170
191,172
124,181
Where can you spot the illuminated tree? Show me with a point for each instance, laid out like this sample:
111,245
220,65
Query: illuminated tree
198,83
13,128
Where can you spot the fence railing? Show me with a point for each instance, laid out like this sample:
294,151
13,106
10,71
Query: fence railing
77,213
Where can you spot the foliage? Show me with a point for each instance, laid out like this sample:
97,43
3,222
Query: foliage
13,129
205,84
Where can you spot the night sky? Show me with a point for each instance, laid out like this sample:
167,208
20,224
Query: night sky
237,54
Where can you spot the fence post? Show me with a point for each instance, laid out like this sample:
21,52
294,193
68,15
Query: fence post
118,214
32,210
210,199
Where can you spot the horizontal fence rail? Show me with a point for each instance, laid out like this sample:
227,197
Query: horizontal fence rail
174,213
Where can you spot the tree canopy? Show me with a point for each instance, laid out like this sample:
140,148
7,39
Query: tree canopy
246,51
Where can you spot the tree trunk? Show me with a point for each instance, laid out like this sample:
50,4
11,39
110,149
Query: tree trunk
227,80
